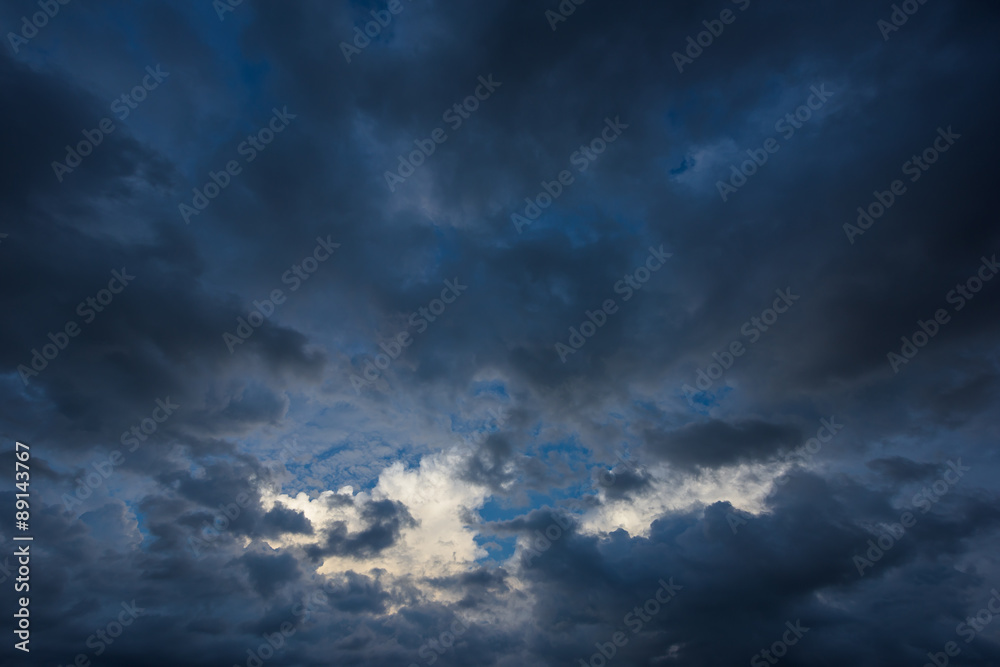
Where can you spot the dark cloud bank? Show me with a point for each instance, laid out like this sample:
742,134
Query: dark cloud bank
882,542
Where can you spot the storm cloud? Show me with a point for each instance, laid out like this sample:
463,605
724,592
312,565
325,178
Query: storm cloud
433,332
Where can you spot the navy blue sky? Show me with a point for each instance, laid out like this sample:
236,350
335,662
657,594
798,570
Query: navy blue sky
475,474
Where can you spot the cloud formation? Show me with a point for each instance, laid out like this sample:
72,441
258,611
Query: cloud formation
481,498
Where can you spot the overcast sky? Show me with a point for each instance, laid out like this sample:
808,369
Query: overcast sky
508,333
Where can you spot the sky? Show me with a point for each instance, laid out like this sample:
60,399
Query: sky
427,332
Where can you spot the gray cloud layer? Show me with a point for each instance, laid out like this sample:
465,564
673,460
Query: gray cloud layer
743,574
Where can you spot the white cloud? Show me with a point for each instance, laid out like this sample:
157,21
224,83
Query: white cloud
441,544
745,486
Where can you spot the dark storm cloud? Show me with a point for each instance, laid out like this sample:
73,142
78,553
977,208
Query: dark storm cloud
499,463
899,469
716,443
384,519
358,593
268,573
625,483
280,520
745,584
490,462
162,328
543,253
538,519
656,184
